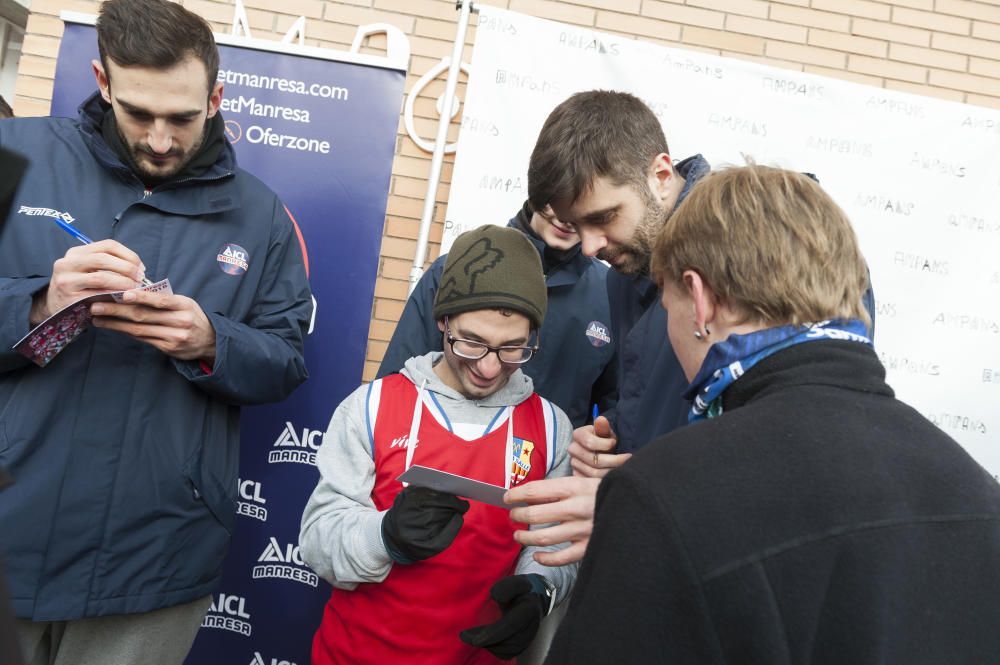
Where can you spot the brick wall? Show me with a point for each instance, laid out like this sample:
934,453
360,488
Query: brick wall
941,48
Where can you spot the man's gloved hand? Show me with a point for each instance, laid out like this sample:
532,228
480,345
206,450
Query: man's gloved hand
421,523
524,600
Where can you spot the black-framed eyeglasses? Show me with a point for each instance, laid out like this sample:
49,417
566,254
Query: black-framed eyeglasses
470,350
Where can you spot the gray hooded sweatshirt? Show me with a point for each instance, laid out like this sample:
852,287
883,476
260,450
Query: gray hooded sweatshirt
341,533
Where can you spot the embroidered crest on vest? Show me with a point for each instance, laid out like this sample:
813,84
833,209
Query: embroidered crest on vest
520,463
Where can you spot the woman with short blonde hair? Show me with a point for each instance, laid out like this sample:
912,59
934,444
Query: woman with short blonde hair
771,242
805,515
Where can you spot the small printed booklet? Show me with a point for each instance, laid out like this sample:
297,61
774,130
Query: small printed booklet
52,335
442,481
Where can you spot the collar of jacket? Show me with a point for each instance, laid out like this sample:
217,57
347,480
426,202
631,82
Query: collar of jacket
214,191
834,363
569,271
692,169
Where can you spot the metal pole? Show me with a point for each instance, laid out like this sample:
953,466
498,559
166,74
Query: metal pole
437,160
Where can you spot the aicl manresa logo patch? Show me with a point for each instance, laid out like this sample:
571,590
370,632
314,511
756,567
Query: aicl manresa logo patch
598,334
233,259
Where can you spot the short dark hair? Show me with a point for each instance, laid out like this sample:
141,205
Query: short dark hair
594,133
154,33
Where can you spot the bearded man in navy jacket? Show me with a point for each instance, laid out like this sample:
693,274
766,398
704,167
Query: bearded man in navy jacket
602,163
124,449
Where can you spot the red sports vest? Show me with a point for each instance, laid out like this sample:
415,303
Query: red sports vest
417,612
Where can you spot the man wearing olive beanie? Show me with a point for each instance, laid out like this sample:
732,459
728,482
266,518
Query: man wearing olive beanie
421,575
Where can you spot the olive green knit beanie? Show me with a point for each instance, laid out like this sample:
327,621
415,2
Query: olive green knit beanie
492,267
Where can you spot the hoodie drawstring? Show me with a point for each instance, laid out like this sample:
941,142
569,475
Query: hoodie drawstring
411,441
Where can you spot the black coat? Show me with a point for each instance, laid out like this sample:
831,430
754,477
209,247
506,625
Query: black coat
818,520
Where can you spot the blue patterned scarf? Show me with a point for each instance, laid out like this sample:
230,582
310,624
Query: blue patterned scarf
730,359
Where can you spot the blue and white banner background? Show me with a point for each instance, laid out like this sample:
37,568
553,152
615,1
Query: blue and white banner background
322,134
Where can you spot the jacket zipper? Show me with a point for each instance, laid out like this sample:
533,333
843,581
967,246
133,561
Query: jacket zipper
146,192
176,183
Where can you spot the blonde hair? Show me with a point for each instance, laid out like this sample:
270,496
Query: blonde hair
771,244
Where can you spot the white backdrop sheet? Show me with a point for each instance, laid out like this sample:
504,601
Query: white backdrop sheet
918,177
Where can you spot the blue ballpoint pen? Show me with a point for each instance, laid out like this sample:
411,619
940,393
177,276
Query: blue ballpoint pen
594,422
73,231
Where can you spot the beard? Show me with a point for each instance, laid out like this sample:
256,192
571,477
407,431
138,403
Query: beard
633,257
144,159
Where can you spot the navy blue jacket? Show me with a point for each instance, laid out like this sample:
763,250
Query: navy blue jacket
124,459
574,367
651,382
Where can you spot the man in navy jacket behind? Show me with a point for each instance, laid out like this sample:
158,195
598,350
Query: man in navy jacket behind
124,449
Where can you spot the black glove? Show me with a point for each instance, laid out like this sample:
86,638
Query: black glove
524,600
421,523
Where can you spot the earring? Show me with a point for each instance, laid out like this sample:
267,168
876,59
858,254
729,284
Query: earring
707,331
698,335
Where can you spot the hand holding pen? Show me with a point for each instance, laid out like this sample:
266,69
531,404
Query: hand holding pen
76,233
592,452
171,323
91,268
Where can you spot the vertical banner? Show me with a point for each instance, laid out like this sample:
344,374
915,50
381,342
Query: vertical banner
321,132
917,177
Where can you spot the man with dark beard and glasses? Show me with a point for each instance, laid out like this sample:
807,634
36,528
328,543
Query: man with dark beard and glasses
124,448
